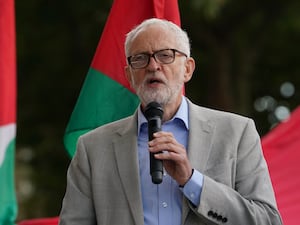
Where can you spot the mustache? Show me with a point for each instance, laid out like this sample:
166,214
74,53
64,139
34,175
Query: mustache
154,77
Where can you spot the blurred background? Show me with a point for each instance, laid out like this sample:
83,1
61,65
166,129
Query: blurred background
247,62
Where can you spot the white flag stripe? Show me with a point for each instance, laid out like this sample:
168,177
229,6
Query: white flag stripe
7,134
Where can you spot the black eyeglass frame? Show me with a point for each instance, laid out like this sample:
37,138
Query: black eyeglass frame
154,56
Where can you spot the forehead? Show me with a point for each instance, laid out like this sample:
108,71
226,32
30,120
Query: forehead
153,38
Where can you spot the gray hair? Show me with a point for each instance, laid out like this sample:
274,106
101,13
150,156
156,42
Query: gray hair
181,36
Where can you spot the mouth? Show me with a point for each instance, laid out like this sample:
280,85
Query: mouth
154,81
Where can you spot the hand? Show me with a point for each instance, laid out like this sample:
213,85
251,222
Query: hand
173,155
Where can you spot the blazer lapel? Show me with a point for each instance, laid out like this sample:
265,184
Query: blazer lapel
199,145
127,160
200,141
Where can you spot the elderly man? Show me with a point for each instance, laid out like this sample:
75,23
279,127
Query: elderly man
214,169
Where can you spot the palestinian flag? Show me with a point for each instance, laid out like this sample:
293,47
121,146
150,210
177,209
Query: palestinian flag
8,205
282,152
106,95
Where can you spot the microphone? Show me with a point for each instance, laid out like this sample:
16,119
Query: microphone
153,114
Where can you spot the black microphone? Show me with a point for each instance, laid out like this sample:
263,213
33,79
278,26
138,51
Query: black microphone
153,114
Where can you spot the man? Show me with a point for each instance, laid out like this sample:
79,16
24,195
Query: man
214,170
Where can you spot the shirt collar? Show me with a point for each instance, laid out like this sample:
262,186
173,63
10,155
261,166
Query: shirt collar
182,114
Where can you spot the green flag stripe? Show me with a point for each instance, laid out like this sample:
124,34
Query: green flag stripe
8,202
101,100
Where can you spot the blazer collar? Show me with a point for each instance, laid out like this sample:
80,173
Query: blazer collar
200,137
199,144
125,148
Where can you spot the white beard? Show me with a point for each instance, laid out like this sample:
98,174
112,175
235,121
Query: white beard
163,95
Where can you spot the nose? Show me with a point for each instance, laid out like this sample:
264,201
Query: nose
153,65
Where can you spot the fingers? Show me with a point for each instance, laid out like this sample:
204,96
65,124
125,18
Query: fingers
168,148
165,141
173,154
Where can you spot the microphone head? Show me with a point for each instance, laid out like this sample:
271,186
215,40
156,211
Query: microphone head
153,109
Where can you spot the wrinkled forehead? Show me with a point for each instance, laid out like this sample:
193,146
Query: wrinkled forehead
154,27
154,37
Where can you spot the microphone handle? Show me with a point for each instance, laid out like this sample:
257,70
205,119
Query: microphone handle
156,165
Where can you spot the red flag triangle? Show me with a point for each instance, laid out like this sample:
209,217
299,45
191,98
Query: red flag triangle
106,95
282,152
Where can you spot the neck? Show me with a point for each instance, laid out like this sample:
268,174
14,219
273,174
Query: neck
170,109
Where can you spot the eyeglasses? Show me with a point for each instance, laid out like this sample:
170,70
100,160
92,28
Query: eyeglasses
164,56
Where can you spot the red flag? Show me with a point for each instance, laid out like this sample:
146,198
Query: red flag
282,151
106,95
41,221
110,57
7,63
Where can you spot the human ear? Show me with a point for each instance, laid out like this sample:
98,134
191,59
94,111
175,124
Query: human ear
189,69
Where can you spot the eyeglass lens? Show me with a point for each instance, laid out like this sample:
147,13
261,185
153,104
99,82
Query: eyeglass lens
164,56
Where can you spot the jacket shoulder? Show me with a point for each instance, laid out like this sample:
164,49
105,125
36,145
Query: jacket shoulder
111,129
221,120
209,113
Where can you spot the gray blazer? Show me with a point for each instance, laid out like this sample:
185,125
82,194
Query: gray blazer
103,184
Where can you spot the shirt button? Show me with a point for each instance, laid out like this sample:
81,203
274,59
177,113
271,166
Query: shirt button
164,204
192,195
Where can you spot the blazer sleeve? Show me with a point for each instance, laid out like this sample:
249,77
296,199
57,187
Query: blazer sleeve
237,188
77,207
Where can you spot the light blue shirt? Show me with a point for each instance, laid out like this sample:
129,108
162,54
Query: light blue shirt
162,203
